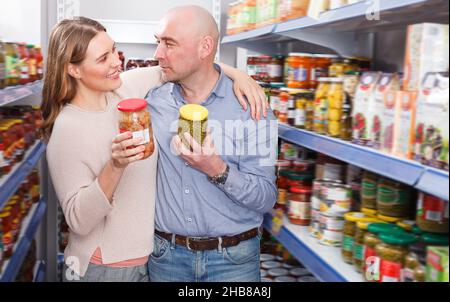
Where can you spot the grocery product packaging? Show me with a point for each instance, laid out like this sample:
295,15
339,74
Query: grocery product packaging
431,144
387,82
437,264
405,124
316,7
427,50
389,120
363,108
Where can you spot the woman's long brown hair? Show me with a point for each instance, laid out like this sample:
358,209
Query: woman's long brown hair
68,43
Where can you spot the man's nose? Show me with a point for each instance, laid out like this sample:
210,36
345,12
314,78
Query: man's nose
159,54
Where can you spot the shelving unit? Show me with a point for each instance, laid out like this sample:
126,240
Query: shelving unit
342,30
30,226
424,178
323,261
348,31
9,184
39,275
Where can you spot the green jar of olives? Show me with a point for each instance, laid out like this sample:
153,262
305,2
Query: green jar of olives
194,120
369,191
394,199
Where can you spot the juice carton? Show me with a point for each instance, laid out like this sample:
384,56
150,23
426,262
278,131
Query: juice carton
437,264
427,49
431,144
405,126
363,108
388,82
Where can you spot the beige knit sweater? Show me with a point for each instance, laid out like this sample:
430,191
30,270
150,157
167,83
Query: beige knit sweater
78,150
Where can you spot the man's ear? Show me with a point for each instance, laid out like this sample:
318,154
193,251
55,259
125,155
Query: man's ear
74,71
207,47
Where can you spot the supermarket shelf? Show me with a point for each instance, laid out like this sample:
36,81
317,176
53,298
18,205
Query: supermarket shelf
39,275
324,262
11,182
30,226
434,182
412,173
31,93
340,29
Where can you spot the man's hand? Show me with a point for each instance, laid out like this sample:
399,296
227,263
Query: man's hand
205,159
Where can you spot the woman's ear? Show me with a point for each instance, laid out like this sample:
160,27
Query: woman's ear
74,71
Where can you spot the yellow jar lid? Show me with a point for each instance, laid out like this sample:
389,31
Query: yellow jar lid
369,212
407,225
389,218
364,225
355,216
194,112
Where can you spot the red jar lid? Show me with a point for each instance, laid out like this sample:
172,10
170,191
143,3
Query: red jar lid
301,190
132,105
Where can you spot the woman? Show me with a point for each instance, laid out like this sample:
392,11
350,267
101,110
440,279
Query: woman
106,191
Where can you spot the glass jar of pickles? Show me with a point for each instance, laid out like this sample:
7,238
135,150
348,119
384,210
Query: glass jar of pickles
351,219
193,120
392,250
300,110
309,108
136,119
358,243
393,198
321,106
335,101
369,190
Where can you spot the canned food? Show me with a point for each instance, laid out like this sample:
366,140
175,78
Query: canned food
278,272
308,279
266,257
299,272
331,228
285,279
336,196
268,265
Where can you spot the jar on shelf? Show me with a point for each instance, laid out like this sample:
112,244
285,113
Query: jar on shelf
300,111
432,214
283,107
299,70
275,90
416,258
321,65
392,250
252,67
300,179
393,198
275,69
358,243
135,118
310,102
335,101
262,71
371,241
350,228
369,191
300,205
292,108
321,106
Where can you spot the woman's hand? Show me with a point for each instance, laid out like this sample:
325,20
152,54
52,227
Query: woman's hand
248,92
123,152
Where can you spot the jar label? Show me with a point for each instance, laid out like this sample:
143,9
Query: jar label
390,271
432,208
408,275
348,243
373,265
252,70
275,71
299,210
11,67
275,103
300,117
283,107
143,134
301,74
358,251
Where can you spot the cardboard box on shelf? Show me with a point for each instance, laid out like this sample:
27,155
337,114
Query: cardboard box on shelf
405,124
363,108
431,144
437,264
427,50
388,82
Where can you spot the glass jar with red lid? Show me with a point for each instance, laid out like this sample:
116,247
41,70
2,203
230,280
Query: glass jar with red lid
135,118
23,63
300,180
300,205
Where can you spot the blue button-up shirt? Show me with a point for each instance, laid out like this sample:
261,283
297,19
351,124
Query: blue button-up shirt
187,203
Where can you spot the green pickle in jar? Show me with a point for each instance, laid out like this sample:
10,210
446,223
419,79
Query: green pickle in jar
392,250
358,245
193,120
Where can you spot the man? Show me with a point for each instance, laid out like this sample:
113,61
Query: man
210,201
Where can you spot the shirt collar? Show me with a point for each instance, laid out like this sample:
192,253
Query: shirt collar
219,90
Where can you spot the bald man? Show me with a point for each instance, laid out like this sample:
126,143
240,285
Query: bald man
210,201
